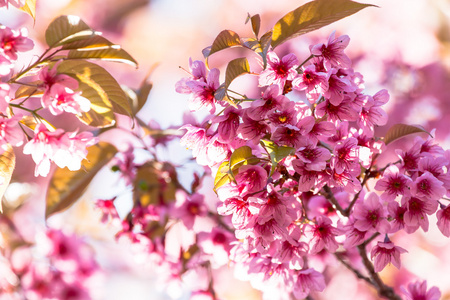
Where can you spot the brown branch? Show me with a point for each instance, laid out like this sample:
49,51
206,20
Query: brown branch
382,289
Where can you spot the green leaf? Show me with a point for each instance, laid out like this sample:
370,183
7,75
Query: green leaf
66,187
30,8
400,130
311,16
97,85
7,164
222,176
276,153
224,40
256,23
67,29
240,156
97,47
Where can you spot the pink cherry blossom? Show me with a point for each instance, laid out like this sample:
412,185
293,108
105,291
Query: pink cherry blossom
418,291
16,3
306,281
418,210
271,100
322,235
443,223
386,253
65,149
314,82
345,156
10,132
278,71
428,187
61,98
393,184
370,214
108,210
333,52
12,41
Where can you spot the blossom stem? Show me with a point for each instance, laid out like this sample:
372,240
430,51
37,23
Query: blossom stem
330,196
383,290
348,266
304,62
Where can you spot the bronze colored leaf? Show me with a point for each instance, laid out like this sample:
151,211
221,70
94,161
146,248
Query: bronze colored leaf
256,23
224,40
29,90
152,187
7,164
98,47
97,85
236,68
30,8
67,29
400,130
311,16
66,187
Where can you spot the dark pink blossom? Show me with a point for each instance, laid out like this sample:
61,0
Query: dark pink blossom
108,210
370,214
345,155
322,235
418,210
418,291
386,253
251,179
271,100
228,124
315,158
338,87
313,82
333,52
346,111
393,184
443,223
252,130
289,135
428,187
397,215
278,71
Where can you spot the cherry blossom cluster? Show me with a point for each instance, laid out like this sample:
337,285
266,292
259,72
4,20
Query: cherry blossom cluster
302,193
65,149
65,269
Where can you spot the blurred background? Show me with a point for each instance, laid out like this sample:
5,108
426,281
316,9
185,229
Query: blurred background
402,45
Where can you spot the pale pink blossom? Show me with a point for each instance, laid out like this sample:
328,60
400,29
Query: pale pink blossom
10,132
12,41
65,149
306,281
61,98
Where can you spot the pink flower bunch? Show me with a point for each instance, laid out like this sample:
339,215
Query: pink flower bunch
65,269
65,149
303,152
11,42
